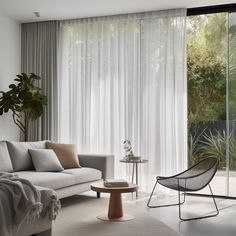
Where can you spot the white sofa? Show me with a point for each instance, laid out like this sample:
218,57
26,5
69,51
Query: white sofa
15,157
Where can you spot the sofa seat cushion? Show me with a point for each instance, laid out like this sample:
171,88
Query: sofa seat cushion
48,179
84,174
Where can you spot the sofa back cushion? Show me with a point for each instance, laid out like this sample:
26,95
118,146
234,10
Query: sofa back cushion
20,156
5,160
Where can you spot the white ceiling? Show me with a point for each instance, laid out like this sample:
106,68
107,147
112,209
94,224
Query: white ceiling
22,10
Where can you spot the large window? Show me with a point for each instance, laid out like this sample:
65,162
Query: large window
211,95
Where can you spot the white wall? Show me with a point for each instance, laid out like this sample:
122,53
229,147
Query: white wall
10,65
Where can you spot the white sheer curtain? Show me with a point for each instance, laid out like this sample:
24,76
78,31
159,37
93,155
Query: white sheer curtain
164,93
124,77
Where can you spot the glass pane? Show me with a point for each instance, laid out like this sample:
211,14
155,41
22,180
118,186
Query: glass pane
207,63
232,103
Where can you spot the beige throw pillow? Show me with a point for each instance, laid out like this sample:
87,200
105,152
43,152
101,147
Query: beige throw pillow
66,153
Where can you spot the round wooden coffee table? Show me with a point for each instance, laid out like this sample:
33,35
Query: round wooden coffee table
115,211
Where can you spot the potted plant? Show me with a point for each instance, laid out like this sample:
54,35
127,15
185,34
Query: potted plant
25,100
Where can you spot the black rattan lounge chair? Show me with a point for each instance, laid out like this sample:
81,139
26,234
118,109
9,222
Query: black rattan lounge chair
195,178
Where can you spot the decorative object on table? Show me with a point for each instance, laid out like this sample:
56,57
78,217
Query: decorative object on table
128,149
25,100
135,163
111,183
115,211
129,155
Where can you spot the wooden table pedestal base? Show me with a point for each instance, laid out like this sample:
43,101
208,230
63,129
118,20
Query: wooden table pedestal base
115,211
125,217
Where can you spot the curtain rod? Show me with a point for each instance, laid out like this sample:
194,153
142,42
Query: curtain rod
140,15
126,16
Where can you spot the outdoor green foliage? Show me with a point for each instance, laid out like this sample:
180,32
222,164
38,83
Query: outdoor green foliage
194,148
25,100
215,146
207,64
206,68
208,145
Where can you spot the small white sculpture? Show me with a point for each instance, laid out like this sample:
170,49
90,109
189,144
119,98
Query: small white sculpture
128,149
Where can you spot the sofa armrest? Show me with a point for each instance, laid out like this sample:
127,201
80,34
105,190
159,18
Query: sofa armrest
104,163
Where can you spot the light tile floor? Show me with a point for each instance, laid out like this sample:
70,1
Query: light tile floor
222,225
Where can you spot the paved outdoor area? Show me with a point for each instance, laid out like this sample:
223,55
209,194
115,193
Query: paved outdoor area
219,184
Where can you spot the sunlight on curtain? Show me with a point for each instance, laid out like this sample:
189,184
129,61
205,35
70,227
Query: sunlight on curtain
124,77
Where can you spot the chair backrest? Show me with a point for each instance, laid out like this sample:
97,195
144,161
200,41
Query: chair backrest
200,174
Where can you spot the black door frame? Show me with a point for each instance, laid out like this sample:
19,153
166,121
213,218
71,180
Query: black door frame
211,9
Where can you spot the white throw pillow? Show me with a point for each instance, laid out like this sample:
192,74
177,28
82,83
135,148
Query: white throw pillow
45,160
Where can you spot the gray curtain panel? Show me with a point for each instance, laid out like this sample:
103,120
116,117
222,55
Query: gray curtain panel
39,55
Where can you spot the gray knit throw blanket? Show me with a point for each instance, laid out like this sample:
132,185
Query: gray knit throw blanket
22,202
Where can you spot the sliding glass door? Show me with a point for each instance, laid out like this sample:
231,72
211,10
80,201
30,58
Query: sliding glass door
212,95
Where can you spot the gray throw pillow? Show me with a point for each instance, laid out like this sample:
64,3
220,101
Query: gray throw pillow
45,160
20,156
5,160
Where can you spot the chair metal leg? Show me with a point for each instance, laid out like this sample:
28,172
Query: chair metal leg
200,217
166,205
